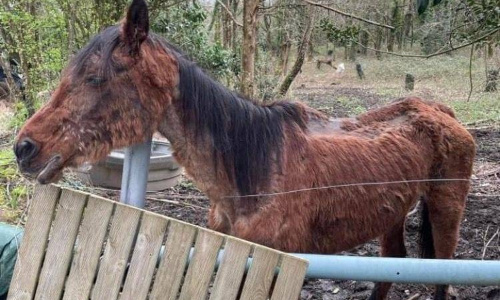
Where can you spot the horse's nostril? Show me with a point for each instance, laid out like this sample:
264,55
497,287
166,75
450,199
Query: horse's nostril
25,149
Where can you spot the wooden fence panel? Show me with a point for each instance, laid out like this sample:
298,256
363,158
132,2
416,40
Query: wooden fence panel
290,278
88,249
61,244
32,249
202,266
260,275
231,270
61,256
116,255
173,264
143,263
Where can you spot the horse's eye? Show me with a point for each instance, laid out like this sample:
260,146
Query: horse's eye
95,80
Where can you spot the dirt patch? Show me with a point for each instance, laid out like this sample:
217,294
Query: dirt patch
338,101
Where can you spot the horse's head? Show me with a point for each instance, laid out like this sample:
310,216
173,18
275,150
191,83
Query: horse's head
112,94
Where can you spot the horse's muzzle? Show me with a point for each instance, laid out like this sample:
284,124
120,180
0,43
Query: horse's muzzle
25,150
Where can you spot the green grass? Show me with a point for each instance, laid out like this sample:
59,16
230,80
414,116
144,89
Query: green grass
443,78
13,189
354,104
487,109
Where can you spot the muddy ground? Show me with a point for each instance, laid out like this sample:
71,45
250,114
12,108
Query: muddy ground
479,235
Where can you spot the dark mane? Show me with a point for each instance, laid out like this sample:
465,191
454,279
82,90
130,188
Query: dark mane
104,44
246,137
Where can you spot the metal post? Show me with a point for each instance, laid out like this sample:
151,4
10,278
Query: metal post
135,174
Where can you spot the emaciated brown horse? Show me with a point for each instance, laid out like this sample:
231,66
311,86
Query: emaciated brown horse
128,83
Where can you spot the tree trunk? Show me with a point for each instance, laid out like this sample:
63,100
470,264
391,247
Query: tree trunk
235,27
285,54
378,42
71,29
390,40
306,37
409,82
353,49
491,80
363,40
310,50
269,39
248,47
213,20
359,70
226,26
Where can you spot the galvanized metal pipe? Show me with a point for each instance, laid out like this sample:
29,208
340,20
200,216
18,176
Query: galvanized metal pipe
399,270
135,174
403,270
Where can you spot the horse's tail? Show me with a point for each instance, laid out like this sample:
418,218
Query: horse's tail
426,239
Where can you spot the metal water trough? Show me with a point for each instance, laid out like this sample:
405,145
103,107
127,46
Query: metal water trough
164,171
404,270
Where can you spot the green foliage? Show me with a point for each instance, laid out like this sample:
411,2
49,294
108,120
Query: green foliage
184,26
484,15
20,116
422,6
8,173
433,40
342,36
13,189
477,17
34,39
8,168
396,16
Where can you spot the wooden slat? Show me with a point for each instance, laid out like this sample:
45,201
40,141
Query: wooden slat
116,254
260,275
88,249
202,266
143,263
51,277
32,249
168,277
290,278
231,270
60,248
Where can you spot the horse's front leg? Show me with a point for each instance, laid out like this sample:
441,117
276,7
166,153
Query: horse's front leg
392,245
218,219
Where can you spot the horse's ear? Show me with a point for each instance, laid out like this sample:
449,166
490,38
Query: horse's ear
136,26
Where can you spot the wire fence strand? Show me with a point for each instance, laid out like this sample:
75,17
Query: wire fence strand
355,185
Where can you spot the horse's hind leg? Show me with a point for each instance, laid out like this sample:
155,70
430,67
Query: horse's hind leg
392,245
446,204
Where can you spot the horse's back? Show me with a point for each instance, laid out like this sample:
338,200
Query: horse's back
431,124
401,115
407,140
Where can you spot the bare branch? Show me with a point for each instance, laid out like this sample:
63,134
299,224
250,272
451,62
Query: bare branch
348,15
229,13
436,53
470,72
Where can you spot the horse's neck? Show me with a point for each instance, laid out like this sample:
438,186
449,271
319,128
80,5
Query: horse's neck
196,157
